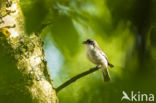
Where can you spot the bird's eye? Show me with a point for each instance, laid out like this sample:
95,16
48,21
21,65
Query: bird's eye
89,41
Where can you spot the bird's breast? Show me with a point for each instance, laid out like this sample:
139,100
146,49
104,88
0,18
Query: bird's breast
95,56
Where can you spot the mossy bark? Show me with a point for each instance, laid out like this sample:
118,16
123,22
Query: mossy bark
24,75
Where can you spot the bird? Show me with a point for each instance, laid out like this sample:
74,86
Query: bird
98,57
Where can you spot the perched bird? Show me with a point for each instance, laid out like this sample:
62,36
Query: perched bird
98,57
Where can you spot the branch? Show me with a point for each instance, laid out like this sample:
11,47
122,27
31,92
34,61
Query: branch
44,25
73,79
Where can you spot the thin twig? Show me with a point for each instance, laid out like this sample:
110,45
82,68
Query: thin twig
43,26
73,79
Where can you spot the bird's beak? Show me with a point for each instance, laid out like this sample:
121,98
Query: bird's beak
84,42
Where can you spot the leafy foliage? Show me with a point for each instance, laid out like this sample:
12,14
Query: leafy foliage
124,29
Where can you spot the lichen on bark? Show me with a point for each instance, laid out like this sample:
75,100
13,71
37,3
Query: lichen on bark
24,75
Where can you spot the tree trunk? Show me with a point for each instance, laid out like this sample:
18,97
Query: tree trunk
24,75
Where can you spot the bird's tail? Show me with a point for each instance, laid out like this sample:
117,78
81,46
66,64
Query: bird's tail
106,75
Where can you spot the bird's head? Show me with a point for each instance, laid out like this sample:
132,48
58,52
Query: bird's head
90,42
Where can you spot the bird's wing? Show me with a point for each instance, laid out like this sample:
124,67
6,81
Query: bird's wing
102,53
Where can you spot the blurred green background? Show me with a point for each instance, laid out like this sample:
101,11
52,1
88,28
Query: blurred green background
124,29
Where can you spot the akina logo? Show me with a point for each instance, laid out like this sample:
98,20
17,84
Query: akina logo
137,96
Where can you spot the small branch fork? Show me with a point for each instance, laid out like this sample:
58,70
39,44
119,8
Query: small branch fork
43,26
73,79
